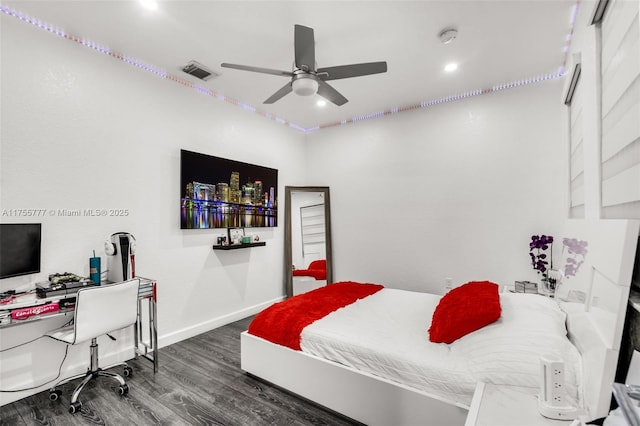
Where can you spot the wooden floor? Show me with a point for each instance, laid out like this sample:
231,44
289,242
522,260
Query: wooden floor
199,382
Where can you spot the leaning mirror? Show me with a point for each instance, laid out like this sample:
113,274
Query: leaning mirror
308,263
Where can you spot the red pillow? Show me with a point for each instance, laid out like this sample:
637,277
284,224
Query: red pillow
463,310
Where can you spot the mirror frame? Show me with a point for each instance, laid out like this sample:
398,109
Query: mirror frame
288,264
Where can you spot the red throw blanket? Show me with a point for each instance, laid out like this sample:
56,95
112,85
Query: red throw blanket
283,322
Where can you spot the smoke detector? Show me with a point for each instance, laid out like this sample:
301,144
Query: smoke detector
198,70
447,35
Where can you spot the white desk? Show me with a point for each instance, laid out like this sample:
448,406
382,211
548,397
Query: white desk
145,330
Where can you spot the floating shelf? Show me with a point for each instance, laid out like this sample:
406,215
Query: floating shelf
239,246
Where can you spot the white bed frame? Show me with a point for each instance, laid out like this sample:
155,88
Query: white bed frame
596,330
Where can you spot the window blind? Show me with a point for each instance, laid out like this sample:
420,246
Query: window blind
620,148
313,235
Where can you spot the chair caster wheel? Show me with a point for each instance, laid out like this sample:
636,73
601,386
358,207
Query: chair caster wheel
128,371
123,389
75,407
54,394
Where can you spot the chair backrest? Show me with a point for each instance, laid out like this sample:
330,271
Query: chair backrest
102,309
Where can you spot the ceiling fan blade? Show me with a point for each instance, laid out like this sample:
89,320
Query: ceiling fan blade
305,48
331,94
257,69
353,70
284,90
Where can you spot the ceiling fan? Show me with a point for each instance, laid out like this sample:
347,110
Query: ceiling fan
306,79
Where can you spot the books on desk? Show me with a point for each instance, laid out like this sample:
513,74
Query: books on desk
5,317
146,287
24,313
44,291
32,307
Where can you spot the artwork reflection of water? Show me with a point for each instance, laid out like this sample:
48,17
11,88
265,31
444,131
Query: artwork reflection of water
227,216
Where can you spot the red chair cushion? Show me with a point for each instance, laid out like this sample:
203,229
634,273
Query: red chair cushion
317,269
318,264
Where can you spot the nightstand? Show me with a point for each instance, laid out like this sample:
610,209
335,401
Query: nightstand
506,406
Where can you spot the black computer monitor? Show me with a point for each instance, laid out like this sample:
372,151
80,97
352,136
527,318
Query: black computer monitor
20,249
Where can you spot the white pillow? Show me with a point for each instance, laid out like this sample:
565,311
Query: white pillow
508,351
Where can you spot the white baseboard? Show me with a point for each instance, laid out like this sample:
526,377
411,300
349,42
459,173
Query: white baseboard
203,327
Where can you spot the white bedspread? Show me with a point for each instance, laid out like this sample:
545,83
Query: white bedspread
386,335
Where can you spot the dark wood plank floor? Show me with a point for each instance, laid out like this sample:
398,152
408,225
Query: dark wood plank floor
199,382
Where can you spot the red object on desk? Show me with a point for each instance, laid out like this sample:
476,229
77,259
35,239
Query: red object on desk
8,299
24,313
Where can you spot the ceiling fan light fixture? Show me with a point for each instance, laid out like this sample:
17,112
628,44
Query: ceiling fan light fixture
305,86
306,78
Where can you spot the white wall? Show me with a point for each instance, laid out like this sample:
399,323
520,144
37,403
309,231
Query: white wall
454,190
81,130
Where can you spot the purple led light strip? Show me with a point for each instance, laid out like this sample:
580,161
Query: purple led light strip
574,16
139,64
446,99
161,73
559,74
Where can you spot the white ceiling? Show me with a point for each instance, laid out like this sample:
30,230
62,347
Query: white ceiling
498,42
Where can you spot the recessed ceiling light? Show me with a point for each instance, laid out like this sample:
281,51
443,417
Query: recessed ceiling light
321,103
451,67
149,4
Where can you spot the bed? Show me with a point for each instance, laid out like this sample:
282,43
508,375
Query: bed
345,360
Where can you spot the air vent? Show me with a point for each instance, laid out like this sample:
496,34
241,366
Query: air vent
196,69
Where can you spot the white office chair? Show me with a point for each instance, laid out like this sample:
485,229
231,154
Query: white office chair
99,310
